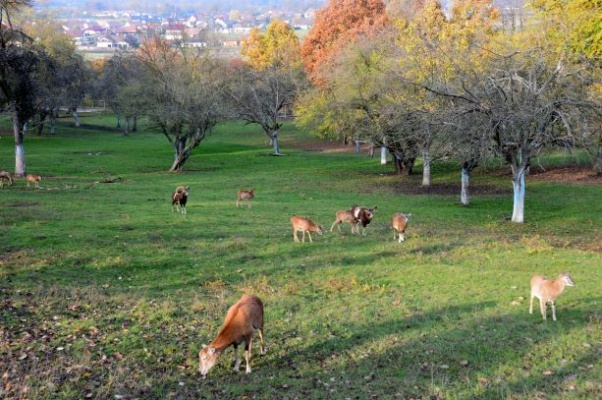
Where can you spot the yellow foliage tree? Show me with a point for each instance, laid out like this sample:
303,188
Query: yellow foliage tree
573,25
277,47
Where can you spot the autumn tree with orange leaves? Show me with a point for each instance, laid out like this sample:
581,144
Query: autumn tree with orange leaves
336,25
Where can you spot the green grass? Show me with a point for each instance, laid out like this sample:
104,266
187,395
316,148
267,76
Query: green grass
105,292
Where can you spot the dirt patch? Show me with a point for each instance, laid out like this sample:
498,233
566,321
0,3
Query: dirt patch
565,174
448,189
327,147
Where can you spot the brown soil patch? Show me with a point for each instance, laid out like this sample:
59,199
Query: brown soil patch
565,174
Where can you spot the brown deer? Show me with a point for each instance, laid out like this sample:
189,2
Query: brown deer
399,224
242,319
547,290
344,216
245,195
5,176
304,225
35,179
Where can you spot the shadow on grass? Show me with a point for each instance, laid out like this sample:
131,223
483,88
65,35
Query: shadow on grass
474,358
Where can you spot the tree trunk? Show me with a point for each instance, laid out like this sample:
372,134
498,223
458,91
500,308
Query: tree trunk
398,164
408,166
383,155
135,127
598,164
52,125
518,183
358,145
40,128
76,117
464,197
275,143
126,128
181,155
426,168
118,121
19,149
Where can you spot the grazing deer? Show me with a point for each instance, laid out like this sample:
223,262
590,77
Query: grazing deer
179,199
245,195
399,224
242,319
344,216
547,290
5,176
362,215
304,225
35,179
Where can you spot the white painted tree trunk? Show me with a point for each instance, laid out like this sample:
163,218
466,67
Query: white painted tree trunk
52,125
518,183
383,155
426,168
19,149
275,143
464,197
76,118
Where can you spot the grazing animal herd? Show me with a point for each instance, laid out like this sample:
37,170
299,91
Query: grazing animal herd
246,316
10,179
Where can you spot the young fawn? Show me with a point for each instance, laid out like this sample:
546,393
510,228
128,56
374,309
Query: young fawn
547,290
344,216
245,195
304,225
33,179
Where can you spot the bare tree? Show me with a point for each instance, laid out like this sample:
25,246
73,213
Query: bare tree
261,97
184,96
525,102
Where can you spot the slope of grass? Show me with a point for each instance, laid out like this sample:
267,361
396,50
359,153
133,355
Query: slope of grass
106,293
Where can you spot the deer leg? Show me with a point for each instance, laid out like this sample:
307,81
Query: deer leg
309,234
542,307
531,304
261,341
248,354
553,310
237,359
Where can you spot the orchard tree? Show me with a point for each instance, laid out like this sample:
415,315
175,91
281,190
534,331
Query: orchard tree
21,64
121,85
184,96
337,25
265,84
277,47
260,97
526,101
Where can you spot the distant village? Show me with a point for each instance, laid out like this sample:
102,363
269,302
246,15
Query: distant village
107,31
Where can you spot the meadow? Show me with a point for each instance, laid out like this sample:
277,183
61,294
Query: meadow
106,293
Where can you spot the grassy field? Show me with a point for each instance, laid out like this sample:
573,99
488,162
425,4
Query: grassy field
105,293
